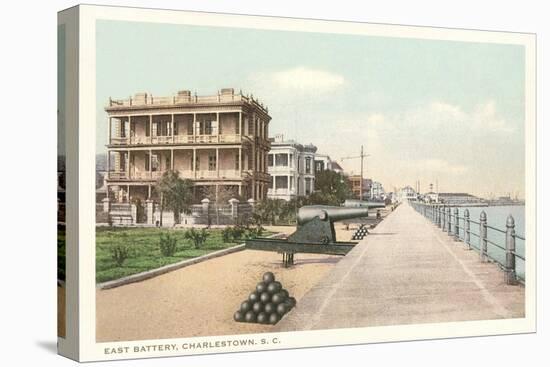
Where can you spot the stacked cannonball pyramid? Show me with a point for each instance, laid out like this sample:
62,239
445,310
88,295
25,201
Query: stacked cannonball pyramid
267,304
360,233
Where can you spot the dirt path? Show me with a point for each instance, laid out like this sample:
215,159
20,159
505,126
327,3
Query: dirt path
61,312
200,300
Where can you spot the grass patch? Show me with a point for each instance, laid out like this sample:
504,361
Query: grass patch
61,252
144,249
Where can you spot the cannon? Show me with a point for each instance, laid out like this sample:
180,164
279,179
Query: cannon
314,233
354,203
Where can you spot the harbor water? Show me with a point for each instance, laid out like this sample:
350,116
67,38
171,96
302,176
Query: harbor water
496,217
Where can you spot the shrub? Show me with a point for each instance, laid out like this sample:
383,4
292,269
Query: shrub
238,232
196,236
119,253
167,245
254,232
227,234
235,233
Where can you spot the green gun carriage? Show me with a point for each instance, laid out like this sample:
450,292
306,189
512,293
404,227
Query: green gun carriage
314,233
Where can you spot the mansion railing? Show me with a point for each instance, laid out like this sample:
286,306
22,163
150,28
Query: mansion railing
184,99
179,139
200,174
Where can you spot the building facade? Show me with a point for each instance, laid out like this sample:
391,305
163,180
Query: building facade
355,181
292,169
216,141
335,167
406,193
323,163
377,190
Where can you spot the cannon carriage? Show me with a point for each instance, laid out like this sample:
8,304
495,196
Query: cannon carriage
314,233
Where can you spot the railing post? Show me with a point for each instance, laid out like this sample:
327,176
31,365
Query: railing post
483,236
106,204
449,221
150,210
510,251
443,215
467,228
457,225
438,215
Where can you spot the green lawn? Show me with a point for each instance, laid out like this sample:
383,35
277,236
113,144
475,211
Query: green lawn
144,249
61,252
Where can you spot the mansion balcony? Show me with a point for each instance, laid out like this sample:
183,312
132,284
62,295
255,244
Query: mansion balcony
179,139
225,174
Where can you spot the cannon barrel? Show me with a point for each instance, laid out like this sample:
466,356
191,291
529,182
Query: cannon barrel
332,213
353,203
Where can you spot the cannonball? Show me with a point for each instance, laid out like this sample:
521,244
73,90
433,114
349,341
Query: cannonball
254,297
238,316
270,308
274,318
257,307
282,308
265,297
274,287
246,306
261,287
263,318
268,277
278,298
291,302
250,316
285,293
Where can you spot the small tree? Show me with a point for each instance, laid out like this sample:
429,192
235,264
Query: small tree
120,251
167,245
198,237
227,234
175,193
331,188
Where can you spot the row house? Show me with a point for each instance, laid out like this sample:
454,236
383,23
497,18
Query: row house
216,141
357,187
292,169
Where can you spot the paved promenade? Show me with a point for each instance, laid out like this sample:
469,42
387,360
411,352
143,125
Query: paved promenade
406,272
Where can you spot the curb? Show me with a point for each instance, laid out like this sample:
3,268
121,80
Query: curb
167,268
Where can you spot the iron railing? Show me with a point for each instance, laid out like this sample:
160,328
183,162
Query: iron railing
461,228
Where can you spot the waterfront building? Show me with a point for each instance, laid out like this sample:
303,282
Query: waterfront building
355,181
377,190
336,167
323,163
406,193
459,198
216,141
431,197
291,167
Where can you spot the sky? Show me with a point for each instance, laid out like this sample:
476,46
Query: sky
443,112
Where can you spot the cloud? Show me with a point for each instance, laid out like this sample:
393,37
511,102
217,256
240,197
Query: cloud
302,79
483,117
441,166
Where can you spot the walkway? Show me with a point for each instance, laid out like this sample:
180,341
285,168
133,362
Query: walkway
406,272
